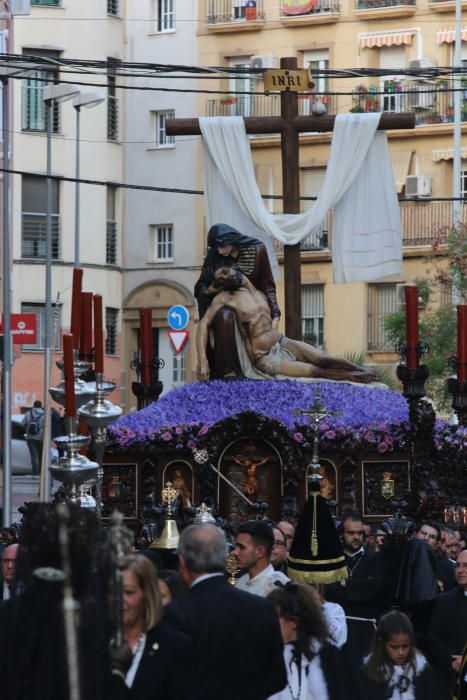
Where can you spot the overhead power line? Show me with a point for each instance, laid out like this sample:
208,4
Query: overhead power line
179,190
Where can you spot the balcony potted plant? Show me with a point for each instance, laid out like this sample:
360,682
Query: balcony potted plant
228,100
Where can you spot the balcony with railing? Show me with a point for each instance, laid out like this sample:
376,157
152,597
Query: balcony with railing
33,239
423,224
316,12
263,105
234,15
444,5
431,102
375,9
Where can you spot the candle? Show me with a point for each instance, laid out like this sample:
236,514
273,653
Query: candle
462,342
85,336
98,334
411,325
76,305
145,342
69,372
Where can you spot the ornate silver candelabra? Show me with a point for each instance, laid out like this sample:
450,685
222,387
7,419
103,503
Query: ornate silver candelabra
99,413
84,391
74,469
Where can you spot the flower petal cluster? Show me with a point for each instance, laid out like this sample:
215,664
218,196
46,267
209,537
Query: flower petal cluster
363,417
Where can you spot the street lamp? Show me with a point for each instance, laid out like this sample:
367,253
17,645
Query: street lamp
60,92
88,100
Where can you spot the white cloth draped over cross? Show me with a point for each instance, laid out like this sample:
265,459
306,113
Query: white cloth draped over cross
359,185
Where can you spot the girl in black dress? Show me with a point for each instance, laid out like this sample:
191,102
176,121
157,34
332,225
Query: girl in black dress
395,669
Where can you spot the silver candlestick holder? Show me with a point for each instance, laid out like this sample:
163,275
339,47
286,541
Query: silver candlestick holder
74,469
84,391
100,413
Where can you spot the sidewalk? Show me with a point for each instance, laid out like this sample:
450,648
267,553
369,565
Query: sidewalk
25,488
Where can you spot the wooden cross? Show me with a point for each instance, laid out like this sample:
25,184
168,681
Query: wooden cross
290,125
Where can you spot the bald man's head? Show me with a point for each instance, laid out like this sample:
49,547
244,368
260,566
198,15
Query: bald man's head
9,563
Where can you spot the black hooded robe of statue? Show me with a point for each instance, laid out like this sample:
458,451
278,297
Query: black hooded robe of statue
253,261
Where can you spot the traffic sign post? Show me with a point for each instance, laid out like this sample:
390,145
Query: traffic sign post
178,317
178,339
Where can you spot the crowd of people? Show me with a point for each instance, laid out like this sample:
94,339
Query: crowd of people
395,628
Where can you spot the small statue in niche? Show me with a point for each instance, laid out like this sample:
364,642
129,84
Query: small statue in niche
179,484
250,465
326,487
114,488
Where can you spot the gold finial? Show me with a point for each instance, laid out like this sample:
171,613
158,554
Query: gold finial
232,568
168,496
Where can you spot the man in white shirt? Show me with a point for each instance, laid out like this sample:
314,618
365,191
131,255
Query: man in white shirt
253,547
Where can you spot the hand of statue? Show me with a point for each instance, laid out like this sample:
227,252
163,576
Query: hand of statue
202,372
456,663
275,323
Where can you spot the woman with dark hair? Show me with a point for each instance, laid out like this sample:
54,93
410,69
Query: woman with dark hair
312,662
35,653
227,246
170,585
162,667
395,669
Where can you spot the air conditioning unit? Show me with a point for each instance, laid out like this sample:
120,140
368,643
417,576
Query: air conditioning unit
20,7
417,186
263,62
420,63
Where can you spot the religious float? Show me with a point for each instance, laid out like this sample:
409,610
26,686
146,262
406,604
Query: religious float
244,448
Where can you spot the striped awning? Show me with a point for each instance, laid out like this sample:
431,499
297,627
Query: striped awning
369,40
400,161
448,36
446,153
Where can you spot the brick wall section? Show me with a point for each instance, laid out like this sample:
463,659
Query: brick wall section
28,377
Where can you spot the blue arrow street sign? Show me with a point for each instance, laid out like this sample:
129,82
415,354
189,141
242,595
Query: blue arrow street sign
178,317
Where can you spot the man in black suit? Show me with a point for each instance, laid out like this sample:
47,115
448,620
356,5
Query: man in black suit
236,636
447,633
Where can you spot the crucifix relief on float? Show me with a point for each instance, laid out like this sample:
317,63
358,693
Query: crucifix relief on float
289,125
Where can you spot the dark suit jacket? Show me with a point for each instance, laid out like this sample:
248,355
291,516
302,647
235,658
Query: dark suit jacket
166,669
237,641
447,633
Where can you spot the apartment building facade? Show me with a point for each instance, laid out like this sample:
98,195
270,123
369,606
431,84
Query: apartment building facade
52,31
161,248
345,34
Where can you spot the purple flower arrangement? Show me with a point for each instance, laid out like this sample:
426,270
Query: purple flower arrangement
366,418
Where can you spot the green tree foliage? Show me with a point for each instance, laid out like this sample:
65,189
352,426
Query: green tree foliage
438,326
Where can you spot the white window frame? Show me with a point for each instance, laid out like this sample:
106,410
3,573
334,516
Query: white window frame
39,310
243,106
161,140
164,16
178,369
316,305
394,102
463,185
162,243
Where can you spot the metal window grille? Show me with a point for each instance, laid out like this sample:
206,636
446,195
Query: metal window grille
111,326
39,311
33,231
161,137
34,115
112,118
113,7
165,15
313,313
163,243
111,257
445,295
382,301
178,368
